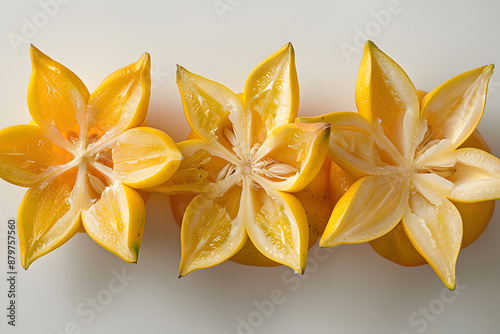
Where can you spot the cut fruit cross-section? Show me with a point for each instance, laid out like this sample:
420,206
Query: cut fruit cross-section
253,156
406,155
81,156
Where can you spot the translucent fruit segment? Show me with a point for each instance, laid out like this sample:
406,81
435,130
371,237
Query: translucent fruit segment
213,229
292,155
356,145
121,101
277,227
49,215
143,157
56,96
453,109
191,176
476,176
211,104
396,246
424,219
371,207
315,198
116,221
272,92
28,154
385,94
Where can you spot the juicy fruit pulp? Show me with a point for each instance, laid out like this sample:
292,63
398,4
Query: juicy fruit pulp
395,245
406,157
315,198
253,156
82,156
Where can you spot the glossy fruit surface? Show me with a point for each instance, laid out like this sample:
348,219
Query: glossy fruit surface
396,246
253,157
82,156
316,198
404,148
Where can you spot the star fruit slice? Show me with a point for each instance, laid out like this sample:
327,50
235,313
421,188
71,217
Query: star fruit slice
82,156
406,155
254,156
395,245
316,198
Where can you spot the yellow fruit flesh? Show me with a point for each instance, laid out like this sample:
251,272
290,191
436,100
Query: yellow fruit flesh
406,156
395,245
315,197
80,157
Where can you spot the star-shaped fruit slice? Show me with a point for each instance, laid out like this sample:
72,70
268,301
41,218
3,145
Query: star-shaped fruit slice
254,157
82,157
407,159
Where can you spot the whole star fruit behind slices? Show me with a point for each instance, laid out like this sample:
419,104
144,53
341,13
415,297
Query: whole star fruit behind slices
254,157
408,161
82,158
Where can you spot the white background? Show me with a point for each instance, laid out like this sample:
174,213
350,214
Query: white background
351,290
